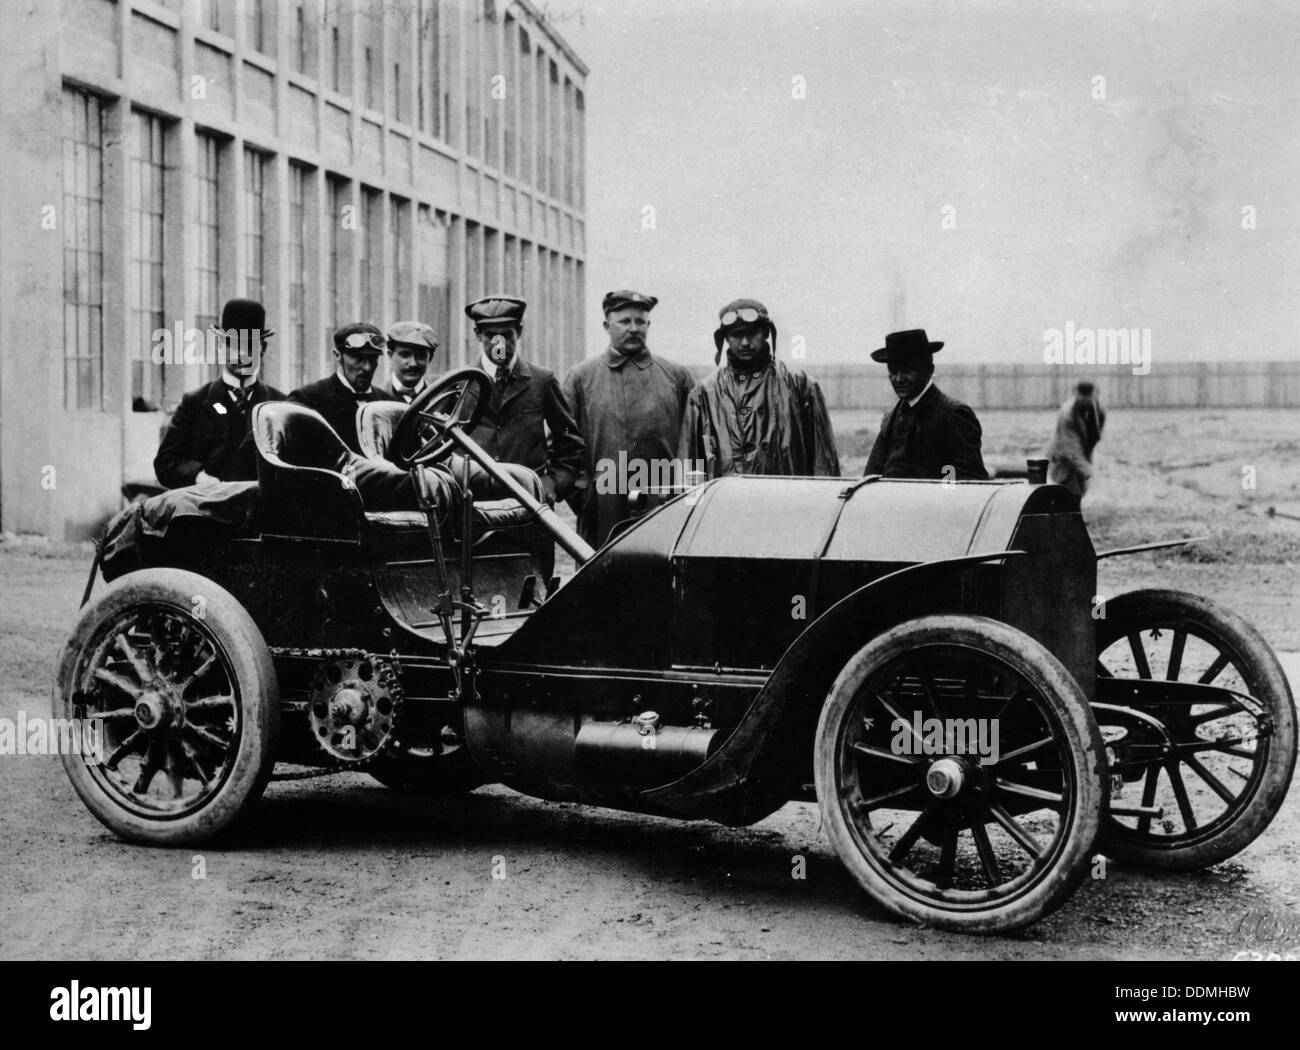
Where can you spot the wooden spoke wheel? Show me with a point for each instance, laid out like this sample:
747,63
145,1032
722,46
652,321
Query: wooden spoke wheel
1209,741
177,685
960,774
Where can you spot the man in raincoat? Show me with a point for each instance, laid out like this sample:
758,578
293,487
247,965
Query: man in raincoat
1078,429
755,415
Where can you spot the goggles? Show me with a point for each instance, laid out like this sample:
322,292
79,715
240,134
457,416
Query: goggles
361,340
746,314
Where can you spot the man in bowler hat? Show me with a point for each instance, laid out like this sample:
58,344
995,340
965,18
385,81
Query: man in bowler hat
926,434
208,436
336,397
528,420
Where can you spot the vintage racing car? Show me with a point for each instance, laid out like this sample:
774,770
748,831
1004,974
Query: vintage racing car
927,661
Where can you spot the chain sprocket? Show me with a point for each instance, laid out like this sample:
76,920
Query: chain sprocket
353,707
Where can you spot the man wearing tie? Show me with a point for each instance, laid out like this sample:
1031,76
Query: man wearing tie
926,434
356,354
528,420
411,346
208,436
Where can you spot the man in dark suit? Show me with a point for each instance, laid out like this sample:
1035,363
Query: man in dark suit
528,420
208,436
926,434
411,346
356,351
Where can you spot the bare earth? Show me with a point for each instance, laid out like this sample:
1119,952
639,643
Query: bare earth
343,868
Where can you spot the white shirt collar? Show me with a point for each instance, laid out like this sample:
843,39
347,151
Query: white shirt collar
912,401
414,392
490,367
236,383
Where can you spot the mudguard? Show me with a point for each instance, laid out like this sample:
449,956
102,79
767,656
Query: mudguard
768,756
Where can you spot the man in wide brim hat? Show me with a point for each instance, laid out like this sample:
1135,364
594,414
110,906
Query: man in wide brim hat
208,438
926,434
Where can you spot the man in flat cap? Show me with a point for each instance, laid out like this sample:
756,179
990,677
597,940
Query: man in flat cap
411,346
356,356
926,434
527,421
208,436
627,402
755,415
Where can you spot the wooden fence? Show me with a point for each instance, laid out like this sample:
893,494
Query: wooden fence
1253,384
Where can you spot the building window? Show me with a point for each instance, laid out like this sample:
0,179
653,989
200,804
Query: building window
207,234
429,87
298,37
336,52
570,110
542,126
580,151
83,251
372,55
256,165
297,334
510,155
399,240
210,12
256,27
553,145
338,199
148,207
492,115
523,86
432,265
372,259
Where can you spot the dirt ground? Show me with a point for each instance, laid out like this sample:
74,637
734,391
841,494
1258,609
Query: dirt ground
340,867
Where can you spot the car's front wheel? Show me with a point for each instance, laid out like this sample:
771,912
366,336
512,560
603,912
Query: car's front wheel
174,685
960,774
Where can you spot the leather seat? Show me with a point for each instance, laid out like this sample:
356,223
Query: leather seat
494,507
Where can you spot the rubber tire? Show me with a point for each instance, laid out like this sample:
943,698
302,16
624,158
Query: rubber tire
1047,674
1130,612
456,774
249,663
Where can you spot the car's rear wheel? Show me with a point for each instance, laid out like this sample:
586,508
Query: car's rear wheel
1212,768
177,682
960,774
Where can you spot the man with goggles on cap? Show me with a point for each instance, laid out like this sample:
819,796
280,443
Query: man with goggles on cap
627,402
356,354
527,420
755,415
208,436
411,346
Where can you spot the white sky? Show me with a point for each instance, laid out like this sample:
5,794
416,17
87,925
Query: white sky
1125,212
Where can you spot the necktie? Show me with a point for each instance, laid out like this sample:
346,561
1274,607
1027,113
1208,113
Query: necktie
503,374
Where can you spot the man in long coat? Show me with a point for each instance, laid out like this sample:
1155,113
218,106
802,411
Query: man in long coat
527,420
755,415
336,397
629,405
1078,429
927,434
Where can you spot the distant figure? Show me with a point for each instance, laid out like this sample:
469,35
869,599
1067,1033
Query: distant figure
754,415
1078,429
927,434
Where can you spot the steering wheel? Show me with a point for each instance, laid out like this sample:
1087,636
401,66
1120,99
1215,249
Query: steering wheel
458,399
